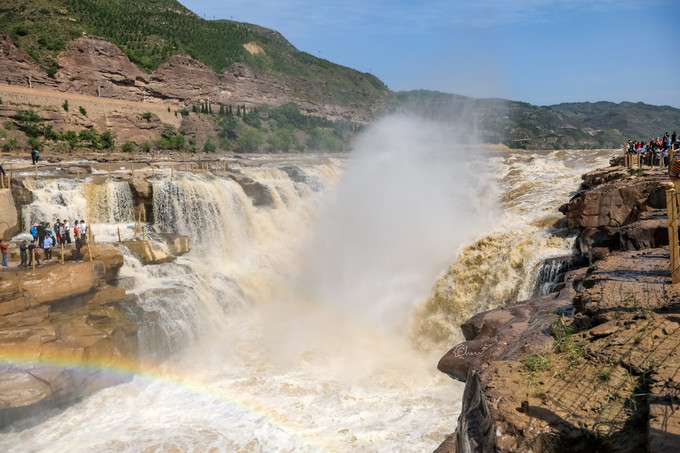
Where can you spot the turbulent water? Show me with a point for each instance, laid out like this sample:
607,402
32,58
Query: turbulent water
313,324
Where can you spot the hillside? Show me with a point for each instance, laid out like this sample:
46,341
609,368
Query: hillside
523,125
203,73
152,31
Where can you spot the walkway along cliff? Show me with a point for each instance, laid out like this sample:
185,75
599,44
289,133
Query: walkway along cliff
594,365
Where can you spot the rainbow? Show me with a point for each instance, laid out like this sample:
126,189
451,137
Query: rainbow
120,371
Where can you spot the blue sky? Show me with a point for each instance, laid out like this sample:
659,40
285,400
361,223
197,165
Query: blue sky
538,51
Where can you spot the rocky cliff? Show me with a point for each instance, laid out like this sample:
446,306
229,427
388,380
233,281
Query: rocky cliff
66,329
593,365
95,67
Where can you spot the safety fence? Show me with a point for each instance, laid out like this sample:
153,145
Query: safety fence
649,159
673,244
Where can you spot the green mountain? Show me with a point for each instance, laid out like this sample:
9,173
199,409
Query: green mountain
150,31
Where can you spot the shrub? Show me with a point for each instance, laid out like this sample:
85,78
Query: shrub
128,147
108,139
82,110
65,106
209,146
71,138
250,142
9,145
146,147
147,115
34,142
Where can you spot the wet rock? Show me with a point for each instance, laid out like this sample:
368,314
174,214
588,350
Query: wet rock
258,192
149,252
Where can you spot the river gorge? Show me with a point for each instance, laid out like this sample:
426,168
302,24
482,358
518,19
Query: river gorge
310,316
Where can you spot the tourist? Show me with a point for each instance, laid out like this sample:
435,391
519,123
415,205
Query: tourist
23,247
47,246
82,229
41,234
35,155
33,253
77,255
4,246
67,231
5,174
34,231
62,233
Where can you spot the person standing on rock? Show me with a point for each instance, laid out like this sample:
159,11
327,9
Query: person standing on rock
33,253
47,247
41,234
67,232
35,155
4,247
23,252
82,230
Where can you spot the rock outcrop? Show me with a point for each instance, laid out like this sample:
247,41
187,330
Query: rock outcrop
9,219
591,366
61,327
95,67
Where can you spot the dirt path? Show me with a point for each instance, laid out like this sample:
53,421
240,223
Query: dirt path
96,107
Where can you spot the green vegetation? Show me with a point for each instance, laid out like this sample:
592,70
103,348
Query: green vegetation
537,362
128,147
82,110
152,31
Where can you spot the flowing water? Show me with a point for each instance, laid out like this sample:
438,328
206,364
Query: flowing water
314,323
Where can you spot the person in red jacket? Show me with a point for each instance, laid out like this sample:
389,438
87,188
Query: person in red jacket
4,246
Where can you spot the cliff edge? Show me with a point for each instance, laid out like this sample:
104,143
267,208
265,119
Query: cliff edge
593,366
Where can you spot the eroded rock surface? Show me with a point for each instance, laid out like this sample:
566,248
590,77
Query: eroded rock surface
593,366
61,325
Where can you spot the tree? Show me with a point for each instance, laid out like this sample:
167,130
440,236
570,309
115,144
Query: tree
230,128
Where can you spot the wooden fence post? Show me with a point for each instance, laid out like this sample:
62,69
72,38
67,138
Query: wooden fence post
673,245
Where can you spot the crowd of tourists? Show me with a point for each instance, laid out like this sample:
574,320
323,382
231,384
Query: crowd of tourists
652,152
46,237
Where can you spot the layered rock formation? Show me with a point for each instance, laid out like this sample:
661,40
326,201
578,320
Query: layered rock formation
591,366
69,322
95,67
65,328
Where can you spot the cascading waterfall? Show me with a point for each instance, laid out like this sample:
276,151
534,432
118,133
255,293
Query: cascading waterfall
289,323
503,266
107,202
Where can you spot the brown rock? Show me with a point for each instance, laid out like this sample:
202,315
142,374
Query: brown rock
605,329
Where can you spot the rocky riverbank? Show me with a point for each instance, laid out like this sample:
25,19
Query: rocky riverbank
592,366
65,326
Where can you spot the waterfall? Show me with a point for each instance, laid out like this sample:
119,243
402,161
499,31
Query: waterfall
288,322
107,202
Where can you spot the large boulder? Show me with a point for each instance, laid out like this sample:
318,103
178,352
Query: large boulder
9,218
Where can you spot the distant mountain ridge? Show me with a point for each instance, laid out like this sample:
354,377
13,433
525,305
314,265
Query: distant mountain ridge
523,125
158,51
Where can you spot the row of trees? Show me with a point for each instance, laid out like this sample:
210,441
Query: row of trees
264,129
